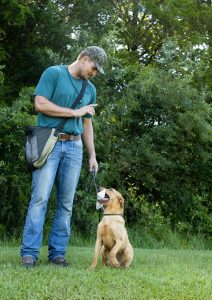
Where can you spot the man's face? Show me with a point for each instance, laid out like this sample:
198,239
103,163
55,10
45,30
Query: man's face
87,69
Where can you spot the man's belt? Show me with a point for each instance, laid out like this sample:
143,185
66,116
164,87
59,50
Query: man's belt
68,137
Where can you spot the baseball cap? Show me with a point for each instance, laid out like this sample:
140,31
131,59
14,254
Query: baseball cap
98,56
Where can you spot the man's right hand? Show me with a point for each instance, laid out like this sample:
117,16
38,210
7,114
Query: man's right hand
88,109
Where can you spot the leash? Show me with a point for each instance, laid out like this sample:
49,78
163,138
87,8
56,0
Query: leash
96,188
91,177
94,180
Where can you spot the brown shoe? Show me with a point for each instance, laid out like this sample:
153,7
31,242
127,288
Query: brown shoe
59,261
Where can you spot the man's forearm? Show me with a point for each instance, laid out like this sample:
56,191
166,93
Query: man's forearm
49,108
88,137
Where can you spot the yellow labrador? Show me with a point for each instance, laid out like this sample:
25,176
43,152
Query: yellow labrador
112,239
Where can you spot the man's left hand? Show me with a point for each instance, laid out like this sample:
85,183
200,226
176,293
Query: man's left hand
93,165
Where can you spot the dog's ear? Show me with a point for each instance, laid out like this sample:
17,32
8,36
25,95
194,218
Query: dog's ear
121,201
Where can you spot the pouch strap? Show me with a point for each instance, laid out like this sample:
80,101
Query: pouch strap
77,100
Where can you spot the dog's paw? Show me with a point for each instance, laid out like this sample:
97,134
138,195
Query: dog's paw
91,268
115,264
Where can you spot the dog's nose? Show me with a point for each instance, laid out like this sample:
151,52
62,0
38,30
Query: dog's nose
100,188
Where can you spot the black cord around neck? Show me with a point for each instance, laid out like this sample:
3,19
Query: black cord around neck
72,81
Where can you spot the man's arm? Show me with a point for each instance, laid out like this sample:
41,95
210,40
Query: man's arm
88,139
47,107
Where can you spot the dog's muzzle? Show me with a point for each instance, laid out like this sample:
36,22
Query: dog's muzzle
101,198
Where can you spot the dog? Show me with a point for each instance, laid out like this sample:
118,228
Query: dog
112,239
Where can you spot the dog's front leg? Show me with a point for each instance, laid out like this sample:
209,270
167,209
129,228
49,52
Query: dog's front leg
128,256
113,252
97,250
105,254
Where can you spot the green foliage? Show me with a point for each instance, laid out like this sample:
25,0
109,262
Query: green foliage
160,128
23,49
1,75
138,29
14,178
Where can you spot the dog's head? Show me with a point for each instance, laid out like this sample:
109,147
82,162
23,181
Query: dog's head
112,200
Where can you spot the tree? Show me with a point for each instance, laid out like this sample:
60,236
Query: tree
26,26
160,129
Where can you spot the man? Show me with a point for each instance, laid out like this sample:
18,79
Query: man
55,93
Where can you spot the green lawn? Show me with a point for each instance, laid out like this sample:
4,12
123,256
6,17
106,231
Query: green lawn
154,274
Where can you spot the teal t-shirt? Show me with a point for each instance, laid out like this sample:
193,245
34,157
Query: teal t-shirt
59,86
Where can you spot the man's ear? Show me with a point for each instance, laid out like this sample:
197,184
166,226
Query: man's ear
84,59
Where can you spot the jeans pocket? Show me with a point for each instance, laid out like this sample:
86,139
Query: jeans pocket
78,144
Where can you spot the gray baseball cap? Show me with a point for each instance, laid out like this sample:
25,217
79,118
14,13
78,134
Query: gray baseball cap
98,56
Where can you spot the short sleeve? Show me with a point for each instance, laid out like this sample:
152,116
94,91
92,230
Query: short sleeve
47,83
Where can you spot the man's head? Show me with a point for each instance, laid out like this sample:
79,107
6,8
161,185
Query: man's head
98,56
92,59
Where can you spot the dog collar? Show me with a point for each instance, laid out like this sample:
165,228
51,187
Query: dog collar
112,215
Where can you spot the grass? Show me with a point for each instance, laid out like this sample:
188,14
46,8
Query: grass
154,274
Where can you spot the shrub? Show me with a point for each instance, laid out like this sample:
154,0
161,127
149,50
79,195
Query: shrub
14,179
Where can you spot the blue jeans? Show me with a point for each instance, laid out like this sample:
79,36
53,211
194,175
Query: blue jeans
62,167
